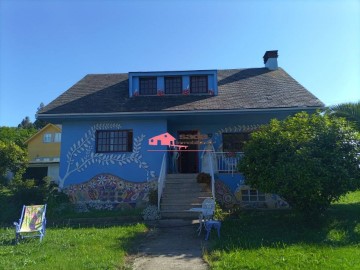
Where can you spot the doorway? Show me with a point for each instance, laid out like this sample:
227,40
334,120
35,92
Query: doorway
189,157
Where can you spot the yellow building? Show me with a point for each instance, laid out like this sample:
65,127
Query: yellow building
44,153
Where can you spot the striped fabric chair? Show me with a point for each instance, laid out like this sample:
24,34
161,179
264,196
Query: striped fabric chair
32,222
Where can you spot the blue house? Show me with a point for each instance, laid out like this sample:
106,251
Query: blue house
108,159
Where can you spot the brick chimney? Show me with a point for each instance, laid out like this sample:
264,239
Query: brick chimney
270,60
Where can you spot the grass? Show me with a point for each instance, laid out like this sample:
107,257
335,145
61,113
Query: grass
69,248
282,240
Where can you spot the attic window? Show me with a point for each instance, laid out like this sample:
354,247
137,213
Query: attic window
173,85
148,86
198,84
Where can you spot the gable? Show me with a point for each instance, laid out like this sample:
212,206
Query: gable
49,128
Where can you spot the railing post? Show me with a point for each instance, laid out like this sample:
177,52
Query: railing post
161,179
212,174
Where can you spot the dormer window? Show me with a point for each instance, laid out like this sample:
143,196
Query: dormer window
148,86
198,84
173,85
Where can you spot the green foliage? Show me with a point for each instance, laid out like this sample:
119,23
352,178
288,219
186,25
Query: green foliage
68,248
16,135
283,240
204,178
220,213
153,197
12,159
350,111
309,160
29,192
26,123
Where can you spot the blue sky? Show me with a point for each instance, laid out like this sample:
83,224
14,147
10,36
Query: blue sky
47,46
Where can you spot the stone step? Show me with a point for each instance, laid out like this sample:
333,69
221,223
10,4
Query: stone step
179,207
179,214
198,197
182,175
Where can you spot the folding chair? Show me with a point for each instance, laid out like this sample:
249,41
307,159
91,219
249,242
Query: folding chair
32,222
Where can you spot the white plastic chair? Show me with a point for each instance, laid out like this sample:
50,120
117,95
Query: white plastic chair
207,212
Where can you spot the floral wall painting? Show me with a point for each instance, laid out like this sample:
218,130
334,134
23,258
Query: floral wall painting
82,155
110,192
247,198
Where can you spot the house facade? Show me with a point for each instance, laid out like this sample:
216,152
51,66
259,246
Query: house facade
44,153
117,128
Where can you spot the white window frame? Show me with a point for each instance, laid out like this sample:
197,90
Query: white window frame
57,137
47,138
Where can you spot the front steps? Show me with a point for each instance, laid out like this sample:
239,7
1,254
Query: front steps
181,193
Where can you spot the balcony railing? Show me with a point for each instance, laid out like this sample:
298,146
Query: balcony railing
227,162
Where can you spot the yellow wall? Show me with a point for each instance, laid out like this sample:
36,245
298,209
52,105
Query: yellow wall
37,148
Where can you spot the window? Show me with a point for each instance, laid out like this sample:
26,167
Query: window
148,86
198,84
47,138
57,137
234,142
114,141
252,195
173,85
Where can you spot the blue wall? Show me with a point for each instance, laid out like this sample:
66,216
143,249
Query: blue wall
78,146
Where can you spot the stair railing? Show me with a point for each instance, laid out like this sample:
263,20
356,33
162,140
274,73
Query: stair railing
211,165
161,179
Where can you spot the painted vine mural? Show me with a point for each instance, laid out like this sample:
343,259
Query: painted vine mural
82,155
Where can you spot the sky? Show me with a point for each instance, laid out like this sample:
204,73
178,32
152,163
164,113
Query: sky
47,46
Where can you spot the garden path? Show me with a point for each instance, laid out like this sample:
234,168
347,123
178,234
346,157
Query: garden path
173,244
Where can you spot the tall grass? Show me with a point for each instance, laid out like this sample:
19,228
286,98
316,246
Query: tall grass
283,240
70,248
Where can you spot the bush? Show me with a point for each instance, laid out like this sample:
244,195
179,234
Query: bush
204,178
309,160
153,197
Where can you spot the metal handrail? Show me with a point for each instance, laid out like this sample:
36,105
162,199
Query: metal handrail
228,161
161,179
212,175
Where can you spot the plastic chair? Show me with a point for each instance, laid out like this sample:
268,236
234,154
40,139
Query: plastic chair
32,222
216,224
207,212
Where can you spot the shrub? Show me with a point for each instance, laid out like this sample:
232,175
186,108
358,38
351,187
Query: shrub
151,212
309,160
153,197
204,178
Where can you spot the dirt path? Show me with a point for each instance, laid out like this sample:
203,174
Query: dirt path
173,245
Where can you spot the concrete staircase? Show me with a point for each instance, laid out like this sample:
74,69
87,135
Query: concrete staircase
181,193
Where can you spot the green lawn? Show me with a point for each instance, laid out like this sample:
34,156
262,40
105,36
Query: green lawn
282,240
70,248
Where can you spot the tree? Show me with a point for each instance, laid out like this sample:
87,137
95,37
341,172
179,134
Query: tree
26,123
12,159
39,124
309,160
16,135
350,111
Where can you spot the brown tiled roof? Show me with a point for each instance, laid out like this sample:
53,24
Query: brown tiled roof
239,89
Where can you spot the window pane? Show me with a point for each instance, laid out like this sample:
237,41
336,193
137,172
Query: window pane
47,137
234,142
148,86
198,84
173,85
57,137
113,141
